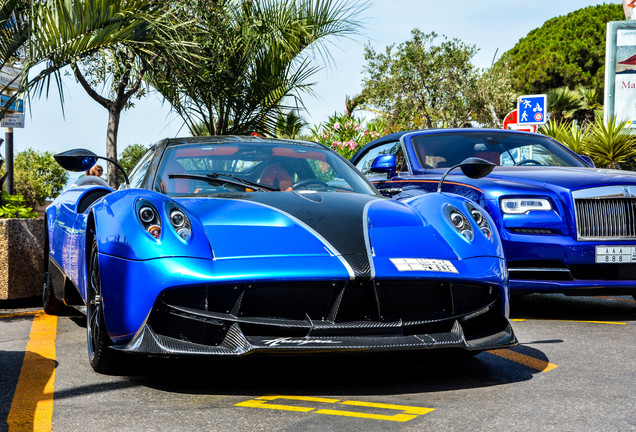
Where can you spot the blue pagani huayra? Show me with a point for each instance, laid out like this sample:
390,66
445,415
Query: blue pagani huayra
234,245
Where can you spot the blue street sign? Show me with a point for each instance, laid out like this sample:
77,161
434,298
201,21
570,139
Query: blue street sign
532,109
15,106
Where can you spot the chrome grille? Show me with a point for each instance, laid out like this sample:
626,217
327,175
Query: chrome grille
605,218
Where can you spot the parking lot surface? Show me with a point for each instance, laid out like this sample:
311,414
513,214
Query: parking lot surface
572,371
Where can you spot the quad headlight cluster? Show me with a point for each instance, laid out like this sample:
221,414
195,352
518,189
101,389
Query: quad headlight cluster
480,219
179,221
462,223
151,220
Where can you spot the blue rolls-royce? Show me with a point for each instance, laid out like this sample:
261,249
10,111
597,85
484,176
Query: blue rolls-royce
565,225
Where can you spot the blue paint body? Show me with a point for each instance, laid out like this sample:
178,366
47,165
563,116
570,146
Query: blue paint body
542,248
237,239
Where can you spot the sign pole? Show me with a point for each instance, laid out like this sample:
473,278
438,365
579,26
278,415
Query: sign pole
8,139
8,156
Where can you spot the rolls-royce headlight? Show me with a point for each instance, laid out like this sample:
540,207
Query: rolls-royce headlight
524,205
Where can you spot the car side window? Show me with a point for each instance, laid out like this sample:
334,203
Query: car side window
138,173
364,164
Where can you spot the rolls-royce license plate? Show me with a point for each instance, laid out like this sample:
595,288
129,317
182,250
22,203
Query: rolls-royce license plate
615,254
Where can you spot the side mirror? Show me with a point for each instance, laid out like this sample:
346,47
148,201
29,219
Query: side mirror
588,160
385,164
472,167
76,160
81,160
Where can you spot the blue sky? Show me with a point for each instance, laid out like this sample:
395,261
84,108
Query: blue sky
490,25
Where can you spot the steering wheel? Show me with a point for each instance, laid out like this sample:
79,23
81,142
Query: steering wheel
528,161
311,182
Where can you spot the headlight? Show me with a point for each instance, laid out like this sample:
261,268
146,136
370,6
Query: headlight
460,222
480,219
149,218
179,221
524,205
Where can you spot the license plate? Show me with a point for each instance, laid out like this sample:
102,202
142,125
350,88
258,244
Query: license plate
615,254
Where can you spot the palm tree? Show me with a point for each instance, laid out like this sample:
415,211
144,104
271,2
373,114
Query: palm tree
570,134
610,141
63,32
255,60
289,124
589,104
562,104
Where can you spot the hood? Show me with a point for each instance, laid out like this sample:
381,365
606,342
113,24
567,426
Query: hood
351,226
572,178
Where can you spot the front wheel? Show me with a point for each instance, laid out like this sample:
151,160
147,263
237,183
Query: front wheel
101,357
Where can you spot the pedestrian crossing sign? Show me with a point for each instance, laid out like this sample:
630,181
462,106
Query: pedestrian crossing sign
532,109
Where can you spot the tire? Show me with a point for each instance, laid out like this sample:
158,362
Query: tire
50,303
101,357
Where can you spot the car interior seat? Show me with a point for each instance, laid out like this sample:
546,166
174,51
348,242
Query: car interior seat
276,176
491,156
174,185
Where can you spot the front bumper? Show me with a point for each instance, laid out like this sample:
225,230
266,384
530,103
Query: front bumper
353,316
560,264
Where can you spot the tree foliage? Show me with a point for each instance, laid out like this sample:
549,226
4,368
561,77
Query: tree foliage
38,177
565,52
255,60
420,83
45,36
129,158
429,81
346,134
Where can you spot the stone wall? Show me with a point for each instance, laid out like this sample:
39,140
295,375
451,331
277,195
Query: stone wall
21,258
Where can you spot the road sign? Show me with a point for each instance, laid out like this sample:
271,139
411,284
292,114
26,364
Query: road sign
14,120
510,122
532,109
15,106
9,78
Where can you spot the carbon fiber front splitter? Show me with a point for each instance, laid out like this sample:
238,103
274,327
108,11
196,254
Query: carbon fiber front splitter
236,343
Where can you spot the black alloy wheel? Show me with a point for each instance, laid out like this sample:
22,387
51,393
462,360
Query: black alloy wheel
101,357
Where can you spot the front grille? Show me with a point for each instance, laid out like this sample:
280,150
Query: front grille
605,218
340,308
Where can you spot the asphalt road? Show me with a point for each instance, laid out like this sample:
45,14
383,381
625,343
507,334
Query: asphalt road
574,370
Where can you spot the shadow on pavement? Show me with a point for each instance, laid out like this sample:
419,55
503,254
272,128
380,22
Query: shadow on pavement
578,308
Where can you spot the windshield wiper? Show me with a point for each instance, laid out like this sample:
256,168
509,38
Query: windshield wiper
219,178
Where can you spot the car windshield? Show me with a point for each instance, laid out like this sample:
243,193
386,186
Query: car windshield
442,150
214,168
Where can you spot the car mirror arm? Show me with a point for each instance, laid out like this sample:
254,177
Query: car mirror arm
472,167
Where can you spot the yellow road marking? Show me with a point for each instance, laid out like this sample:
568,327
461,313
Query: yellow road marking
523,359
32,406
407,412
396,417
261,402
301,398
254,403
575,321
19,314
